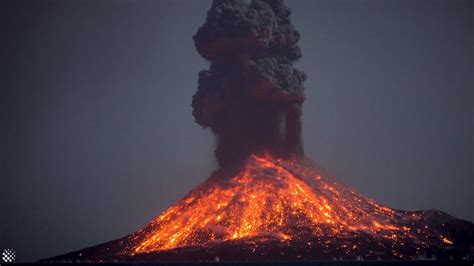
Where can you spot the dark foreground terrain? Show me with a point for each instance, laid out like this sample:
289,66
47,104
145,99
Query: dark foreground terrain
305,250
299,263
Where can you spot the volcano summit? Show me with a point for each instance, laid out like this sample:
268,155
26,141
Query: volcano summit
267,201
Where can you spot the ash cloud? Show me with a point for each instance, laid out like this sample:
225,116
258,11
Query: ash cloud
251,96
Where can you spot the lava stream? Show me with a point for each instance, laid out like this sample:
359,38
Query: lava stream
272,199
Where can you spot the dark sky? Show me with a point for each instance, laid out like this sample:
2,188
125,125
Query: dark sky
97,136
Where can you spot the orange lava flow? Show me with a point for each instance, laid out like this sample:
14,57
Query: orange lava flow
270,199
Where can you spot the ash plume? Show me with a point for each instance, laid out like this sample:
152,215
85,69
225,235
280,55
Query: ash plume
251,96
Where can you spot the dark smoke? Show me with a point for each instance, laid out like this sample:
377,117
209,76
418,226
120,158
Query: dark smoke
251,96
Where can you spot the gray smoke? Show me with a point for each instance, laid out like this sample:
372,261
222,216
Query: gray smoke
251,96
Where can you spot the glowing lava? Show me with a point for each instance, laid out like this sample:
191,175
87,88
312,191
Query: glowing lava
277,209
274,199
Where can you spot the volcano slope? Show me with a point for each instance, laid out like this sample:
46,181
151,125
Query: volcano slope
285,210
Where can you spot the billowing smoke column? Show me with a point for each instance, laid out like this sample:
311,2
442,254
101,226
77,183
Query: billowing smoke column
251,96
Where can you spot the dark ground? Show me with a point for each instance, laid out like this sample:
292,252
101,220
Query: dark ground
308,263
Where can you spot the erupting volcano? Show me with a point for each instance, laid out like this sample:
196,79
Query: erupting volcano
267,201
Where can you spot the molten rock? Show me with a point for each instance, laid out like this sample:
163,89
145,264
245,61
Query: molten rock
287,210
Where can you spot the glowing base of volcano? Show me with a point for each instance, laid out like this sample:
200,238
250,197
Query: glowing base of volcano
286,209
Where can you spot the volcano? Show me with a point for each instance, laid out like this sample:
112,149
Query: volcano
285,210
267,201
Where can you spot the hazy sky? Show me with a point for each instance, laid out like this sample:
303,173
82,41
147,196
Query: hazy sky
97,136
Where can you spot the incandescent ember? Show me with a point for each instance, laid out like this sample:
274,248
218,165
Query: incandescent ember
285,209
277,199
286,201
